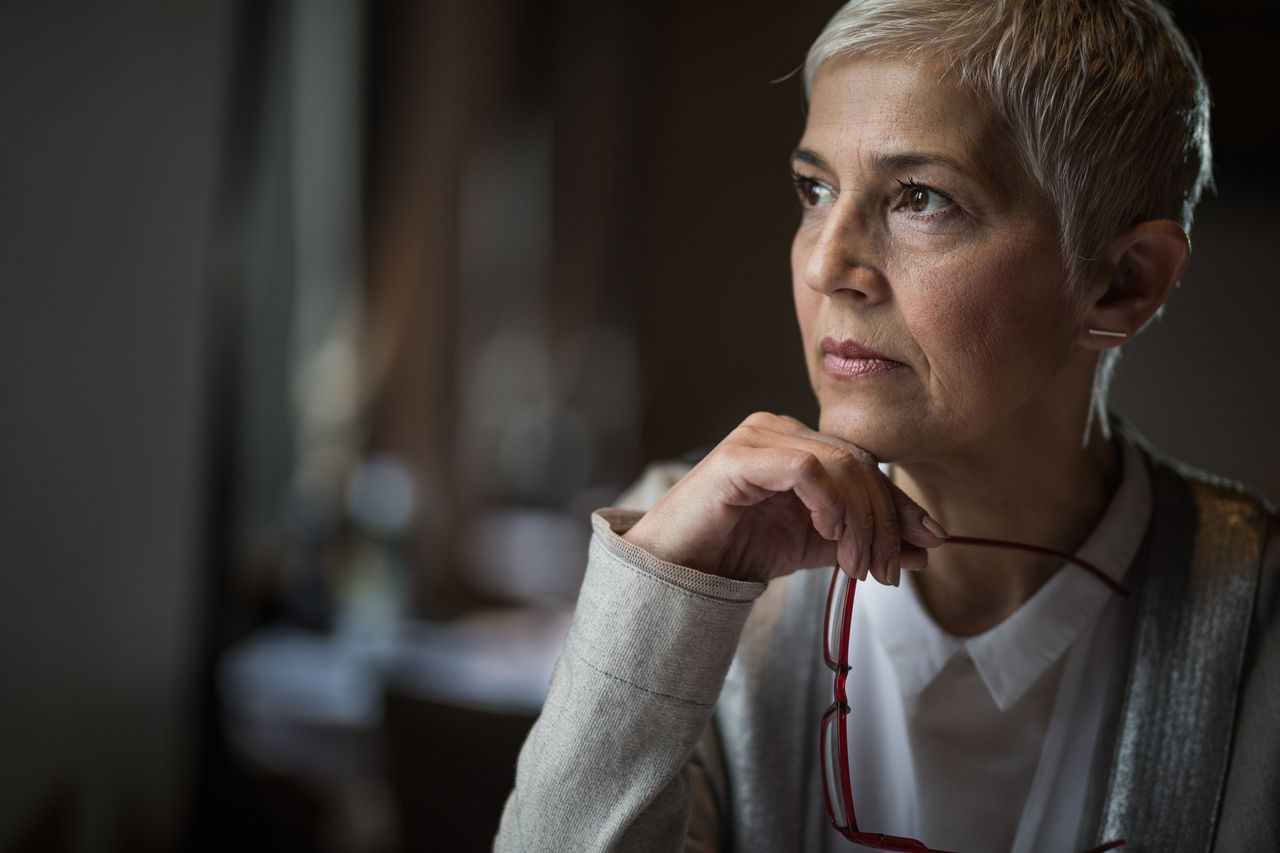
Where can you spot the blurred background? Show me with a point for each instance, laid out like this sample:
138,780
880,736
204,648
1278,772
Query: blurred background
325,325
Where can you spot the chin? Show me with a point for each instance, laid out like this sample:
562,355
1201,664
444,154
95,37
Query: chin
875,433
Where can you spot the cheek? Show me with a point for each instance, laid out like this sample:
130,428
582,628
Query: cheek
997,323
956,335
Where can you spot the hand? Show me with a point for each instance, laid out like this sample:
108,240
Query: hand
775,496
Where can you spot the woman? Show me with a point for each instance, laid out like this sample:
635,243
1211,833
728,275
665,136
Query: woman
996,195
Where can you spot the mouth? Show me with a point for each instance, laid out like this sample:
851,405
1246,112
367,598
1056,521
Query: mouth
849,359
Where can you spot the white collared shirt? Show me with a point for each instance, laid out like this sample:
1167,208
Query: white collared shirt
985,743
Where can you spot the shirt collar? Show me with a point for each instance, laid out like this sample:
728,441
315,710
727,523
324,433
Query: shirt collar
1015,653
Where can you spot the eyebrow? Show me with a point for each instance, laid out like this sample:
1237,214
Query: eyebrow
886,162
813,158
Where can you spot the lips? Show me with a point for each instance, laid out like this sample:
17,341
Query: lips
849,348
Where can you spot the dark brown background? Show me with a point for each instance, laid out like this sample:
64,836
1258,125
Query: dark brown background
137,430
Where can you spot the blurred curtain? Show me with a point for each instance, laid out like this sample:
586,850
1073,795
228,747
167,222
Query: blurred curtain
501,356
287,280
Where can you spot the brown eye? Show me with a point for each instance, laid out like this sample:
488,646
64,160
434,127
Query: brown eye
811,193
918,198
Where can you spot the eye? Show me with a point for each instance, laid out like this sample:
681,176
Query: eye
918,198
812,193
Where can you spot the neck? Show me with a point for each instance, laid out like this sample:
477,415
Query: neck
1031,483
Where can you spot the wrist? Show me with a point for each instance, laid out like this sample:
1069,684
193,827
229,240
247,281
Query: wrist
621,534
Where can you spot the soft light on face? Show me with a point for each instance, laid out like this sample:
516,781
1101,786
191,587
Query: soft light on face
922,240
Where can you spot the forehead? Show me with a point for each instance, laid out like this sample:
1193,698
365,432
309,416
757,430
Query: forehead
862,110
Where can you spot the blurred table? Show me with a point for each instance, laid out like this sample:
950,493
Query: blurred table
400,743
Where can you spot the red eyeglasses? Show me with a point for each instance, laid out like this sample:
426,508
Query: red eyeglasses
834,737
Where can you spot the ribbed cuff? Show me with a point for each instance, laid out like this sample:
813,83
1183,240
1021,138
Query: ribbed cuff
664,628
610,523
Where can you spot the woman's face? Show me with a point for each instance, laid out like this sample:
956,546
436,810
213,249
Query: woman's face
921,239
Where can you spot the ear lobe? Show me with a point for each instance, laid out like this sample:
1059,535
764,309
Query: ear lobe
1146,263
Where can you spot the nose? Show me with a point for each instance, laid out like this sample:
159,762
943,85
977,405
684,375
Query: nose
841,258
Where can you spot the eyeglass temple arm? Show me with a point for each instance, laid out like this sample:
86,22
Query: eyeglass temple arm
1114,585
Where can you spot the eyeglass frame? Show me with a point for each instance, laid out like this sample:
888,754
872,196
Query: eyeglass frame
841,591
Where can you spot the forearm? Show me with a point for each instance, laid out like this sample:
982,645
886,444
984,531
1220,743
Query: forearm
606,765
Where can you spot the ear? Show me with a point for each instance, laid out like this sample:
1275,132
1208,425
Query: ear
1136,273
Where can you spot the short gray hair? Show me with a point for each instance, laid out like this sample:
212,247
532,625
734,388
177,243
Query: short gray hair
1105,102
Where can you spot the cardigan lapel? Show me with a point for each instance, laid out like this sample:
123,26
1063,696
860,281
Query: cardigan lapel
777,741
1198,575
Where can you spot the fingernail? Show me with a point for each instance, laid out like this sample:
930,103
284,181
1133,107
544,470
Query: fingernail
935,528
862,572
895,568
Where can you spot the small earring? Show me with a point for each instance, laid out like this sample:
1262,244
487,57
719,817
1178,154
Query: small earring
1108,334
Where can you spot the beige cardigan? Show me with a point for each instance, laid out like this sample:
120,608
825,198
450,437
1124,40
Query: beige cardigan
627,754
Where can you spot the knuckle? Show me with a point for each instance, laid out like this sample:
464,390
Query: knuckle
892,527
855,452
729,455
868,522
747,434
759,419
845,460
862,457
804,464
892,524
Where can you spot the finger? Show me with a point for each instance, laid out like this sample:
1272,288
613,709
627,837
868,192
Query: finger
888,538
855,552
776,422
757,473
886,541
866,457
857,546
860,530
915,521
914,559
907,525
